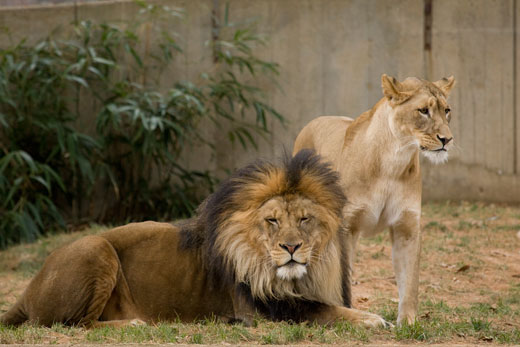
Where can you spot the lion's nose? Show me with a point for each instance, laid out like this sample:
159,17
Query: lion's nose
444,140
291,248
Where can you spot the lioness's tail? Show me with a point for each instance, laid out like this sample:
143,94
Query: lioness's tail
15,316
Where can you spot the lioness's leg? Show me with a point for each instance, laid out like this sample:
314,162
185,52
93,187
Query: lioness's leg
406,250
330,314
352,239
352,231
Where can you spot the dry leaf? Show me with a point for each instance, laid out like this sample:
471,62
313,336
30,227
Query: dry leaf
426,315
516,275
362,299
486,338
463,268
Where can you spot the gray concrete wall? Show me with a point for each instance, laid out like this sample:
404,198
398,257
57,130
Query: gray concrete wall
20,3
332,54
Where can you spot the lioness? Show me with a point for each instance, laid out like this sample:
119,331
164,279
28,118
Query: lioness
377,156
266,241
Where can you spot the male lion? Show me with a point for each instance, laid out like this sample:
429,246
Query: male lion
267,241
377,156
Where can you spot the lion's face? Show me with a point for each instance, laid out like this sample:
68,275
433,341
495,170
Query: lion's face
421,115
292,234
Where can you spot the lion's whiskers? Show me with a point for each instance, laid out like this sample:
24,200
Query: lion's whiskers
457,149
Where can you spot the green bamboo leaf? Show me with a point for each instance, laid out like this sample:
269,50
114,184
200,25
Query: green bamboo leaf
29,228
6,160
226,15
77,79
50,173
248,135
35,213
241,139
103,61
260,115
42,181
12,191
27,159
134,54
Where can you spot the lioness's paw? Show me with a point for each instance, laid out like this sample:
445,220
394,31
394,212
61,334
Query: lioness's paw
406,319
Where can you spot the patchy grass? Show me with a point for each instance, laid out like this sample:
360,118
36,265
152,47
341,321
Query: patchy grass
469,290
26,259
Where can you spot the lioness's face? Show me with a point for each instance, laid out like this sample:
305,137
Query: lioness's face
424,116
292,233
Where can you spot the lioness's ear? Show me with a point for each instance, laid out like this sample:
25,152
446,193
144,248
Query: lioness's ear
445,84
392,90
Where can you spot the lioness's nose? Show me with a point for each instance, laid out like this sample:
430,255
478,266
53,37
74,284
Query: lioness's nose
291,248
444,140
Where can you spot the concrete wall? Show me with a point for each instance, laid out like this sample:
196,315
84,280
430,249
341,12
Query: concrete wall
20,3
332,54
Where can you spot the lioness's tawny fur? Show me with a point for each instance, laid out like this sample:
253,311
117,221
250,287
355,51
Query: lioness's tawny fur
377,156
267,241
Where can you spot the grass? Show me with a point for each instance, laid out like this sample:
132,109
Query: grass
480,304
26,259
440,327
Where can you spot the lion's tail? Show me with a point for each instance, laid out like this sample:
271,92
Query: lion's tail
15,316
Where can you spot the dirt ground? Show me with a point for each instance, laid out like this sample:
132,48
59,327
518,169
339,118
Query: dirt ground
470,252
470,258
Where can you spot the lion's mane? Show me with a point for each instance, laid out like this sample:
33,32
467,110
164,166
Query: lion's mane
225,229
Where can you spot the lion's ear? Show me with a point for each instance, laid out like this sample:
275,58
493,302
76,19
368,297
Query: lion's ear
445,84
392,89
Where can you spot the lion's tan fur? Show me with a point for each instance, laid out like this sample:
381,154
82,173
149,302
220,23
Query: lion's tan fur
377,156
157,271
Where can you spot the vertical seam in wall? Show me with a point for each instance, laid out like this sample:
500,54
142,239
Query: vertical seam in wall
427,38
215,27
75,12
515,77
322,70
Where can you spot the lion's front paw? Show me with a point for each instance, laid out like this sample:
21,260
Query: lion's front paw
136,322
363,318
375,321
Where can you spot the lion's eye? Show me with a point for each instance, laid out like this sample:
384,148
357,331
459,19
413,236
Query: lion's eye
304,220
425,111
272,221
448,110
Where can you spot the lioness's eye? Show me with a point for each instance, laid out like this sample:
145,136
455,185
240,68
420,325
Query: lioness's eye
273,221
304,219
425,111
447,110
